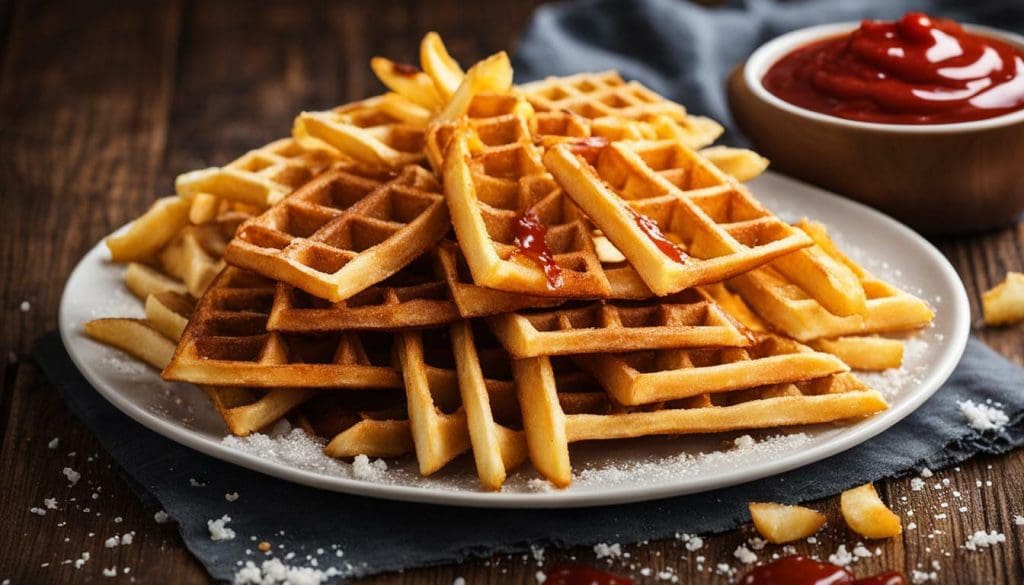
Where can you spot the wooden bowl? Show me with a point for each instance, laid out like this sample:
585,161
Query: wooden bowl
939,178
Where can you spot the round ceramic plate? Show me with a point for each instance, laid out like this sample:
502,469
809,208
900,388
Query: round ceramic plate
608,472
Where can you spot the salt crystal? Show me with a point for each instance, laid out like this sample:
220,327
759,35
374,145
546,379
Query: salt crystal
1018,520
50,503
917,484
37,511
983,417
111,542
72,475
161,517
540,577
861,551
25,306
841,557
54,443
231,497
219,530
744,442
744,555
611,551
919,577
981,539
926,473
363,468
127,538
459,581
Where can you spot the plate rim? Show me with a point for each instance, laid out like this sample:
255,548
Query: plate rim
951,353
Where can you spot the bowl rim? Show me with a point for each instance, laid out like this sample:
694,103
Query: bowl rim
769,53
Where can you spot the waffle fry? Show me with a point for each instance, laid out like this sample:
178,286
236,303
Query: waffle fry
503,197
686,320
259,178
621,110
549,428
646,377
414,297
227,343
384,130
344,232
793,310
678,220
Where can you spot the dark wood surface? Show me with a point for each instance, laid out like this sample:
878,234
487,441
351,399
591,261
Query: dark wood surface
103,103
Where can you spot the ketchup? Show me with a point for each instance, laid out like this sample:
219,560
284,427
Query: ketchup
798,570
917,70
405,69
650,228
531,239
584,575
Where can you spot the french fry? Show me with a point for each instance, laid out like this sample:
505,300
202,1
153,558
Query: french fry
493,74
150,231
1004,303
407,81
866,515
779,523
439,65
143,281
741,163
870,353
168,313
136,337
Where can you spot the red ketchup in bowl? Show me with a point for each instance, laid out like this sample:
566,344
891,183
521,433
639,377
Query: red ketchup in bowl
917,70
798,570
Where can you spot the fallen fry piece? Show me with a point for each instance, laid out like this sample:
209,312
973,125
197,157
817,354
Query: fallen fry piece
780,523
866,515
741,163
1004,303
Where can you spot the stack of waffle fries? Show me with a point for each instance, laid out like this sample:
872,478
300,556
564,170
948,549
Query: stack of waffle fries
463,265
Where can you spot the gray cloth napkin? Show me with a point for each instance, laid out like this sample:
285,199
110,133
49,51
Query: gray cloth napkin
378,535
682,51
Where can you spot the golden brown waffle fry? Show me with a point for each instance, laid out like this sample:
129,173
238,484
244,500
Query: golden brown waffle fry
792,310
259,178
414,297
384,131
678,220
646,377
620,110
343,232
150,231
502,199
550,428
227,343
685,320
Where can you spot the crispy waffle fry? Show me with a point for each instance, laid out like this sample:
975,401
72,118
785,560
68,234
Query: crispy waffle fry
793,310
550,428
259,178
621,110
685,320
501,202
150,231
343,232
384,130
678,220
645,377
227,343
414,297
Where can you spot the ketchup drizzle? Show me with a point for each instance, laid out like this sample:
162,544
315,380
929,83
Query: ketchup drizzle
799,570
531,239
405,69
584,575
650,228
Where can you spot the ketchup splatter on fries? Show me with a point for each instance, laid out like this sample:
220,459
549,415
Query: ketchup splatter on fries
531,238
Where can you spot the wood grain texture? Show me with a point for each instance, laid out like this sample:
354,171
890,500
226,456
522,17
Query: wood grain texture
101,105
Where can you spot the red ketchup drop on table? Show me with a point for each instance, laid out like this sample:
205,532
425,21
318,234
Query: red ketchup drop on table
798,570
916,70
531,239
650,228
584,575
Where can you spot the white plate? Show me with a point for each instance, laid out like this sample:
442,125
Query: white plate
608,472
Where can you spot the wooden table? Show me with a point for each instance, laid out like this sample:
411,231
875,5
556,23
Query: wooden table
101,105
